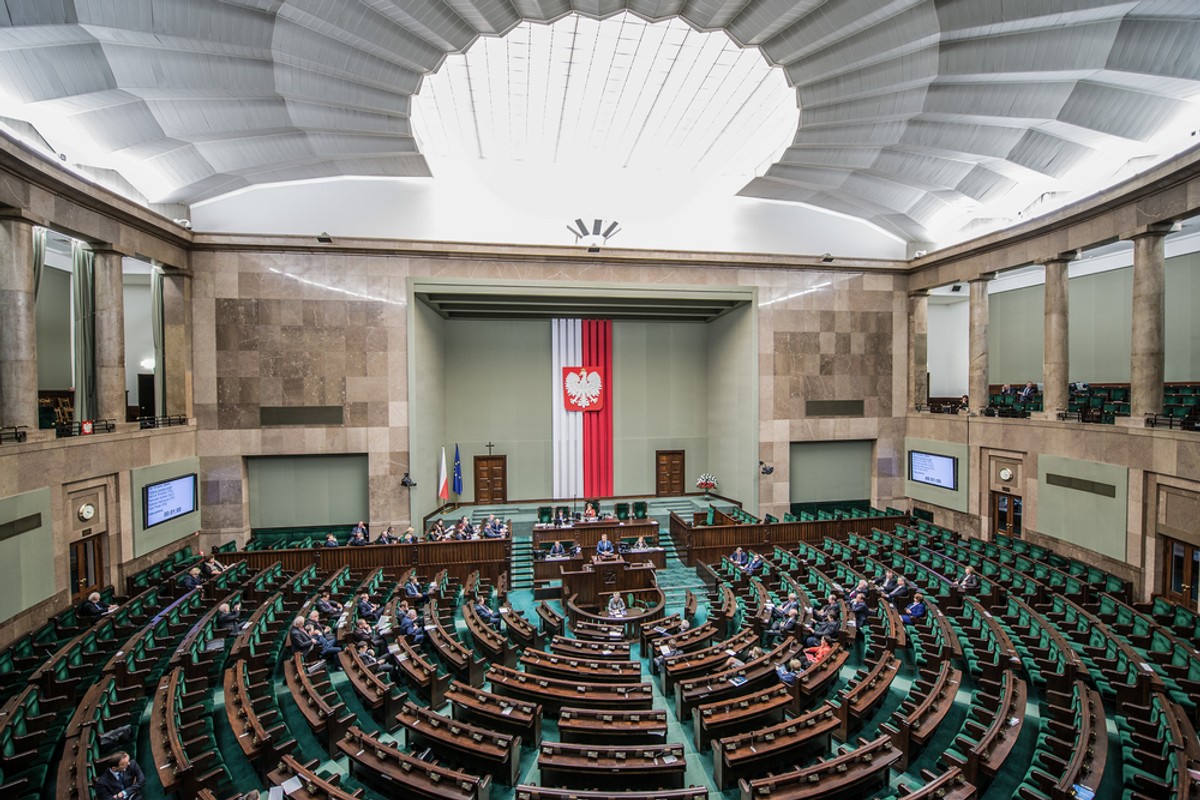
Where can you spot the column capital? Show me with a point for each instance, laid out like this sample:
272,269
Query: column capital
1061,258
10,214
918,293
104,248
1153,229
983,277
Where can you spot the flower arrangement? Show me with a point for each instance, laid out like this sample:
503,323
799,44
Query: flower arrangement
707,482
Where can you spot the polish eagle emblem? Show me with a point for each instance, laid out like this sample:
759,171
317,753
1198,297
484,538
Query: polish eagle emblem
583,389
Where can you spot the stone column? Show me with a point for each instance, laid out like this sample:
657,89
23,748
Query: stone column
110,334
977,384
1055,358
918,348
18,326
1146,345
177,342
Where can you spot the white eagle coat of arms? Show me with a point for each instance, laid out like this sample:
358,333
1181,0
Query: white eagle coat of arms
583,389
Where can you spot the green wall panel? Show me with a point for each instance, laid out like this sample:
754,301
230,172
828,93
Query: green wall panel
307,490
824,471
427,405
27,559
1083,518
497,389
147,541
1015,336
661,399
54,330
733,405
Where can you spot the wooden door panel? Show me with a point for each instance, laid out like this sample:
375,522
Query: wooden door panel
491,479
668,473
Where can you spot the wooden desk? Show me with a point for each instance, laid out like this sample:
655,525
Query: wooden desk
731,717
554,694
586,534
496,712
313,786
857,773
774,747
599,650
536,662
919,716
587,765
498,753
396,773
547,793
551,569
587,725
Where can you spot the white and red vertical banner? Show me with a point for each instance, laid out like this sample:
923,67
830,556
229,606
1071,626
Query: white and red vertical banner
582,407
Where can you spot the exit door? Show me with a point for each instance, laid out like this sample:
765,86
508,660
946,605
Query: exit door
491,479
1006,514
87,566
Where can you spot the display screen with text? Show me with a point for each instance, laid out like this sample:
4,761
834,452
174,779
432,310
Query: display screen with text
166,500
933,469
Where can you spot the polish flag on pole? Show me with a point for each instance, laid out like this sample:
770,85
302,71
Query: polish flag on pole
443,483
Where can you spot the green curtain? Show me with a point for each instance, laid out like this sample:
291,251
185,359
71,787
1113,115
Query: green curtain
83,298
39,258
156,322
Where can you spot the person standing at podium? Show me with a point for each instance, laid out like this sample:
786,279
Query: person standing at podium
604,547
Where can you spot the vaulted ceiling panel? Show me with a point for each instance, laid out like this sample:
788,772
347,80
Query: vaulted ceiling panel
1049,155
909,71
712,14
829,24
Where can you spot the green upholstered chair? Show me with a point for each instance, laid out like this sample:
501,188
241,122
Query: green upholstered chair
639,509
622,510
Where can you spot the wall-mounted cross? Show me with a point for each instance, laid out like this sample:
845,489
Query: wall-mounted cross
489,446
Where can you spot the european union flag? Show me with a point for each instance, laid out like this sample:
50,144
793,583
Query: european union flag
457,472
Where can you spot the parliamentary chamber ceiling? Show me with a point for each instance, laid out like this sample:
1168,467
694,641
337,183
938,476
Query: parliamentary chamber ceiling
930,121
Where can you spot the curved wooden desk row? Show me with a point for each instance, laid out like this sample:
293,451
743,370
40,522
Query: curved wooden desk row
318,701
553,694
588,766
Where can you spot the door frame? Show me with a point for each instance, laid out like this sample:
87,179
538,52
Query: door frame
994,513
78,552
475,476
1191,572
683,469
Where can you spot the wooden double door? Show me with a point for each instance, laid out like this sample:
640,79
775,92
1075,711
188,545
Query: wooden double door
86,564
491,479
668,473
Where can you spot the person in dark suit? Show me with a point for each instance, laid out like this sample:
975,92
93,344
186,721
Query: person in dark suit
410,629
739,557
604,547
824,629
783,609
494,529
1027,394
783,628
122,780
969,582
331,541
899,595
366,609
92,607
328,606
755,565
557,550
229,618
412,590
485,613
360,528
861,611
789,673
210,567
358,539
886,582
388,537
299,639
560,518
192,580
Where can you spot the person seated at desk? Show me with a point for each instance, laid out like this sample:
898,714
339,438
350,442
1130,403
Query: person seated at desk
361,527
737,662
409,537
616,606
412,590
363,632
915,611
604,547
465,524
831,609
754,565
557,550
899,595
825,628
739,558
437,532
306,640
862,587
485,613
229,618
886,582
331,541
210,567
969,582
783,609
1028,393
369,660
366,609
494,528
640,544
560,518
782,628
92,607
359,539
964,403
589,511
123,780
459,533
387,537
819,650
192,580
328,606
789,674
410,629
